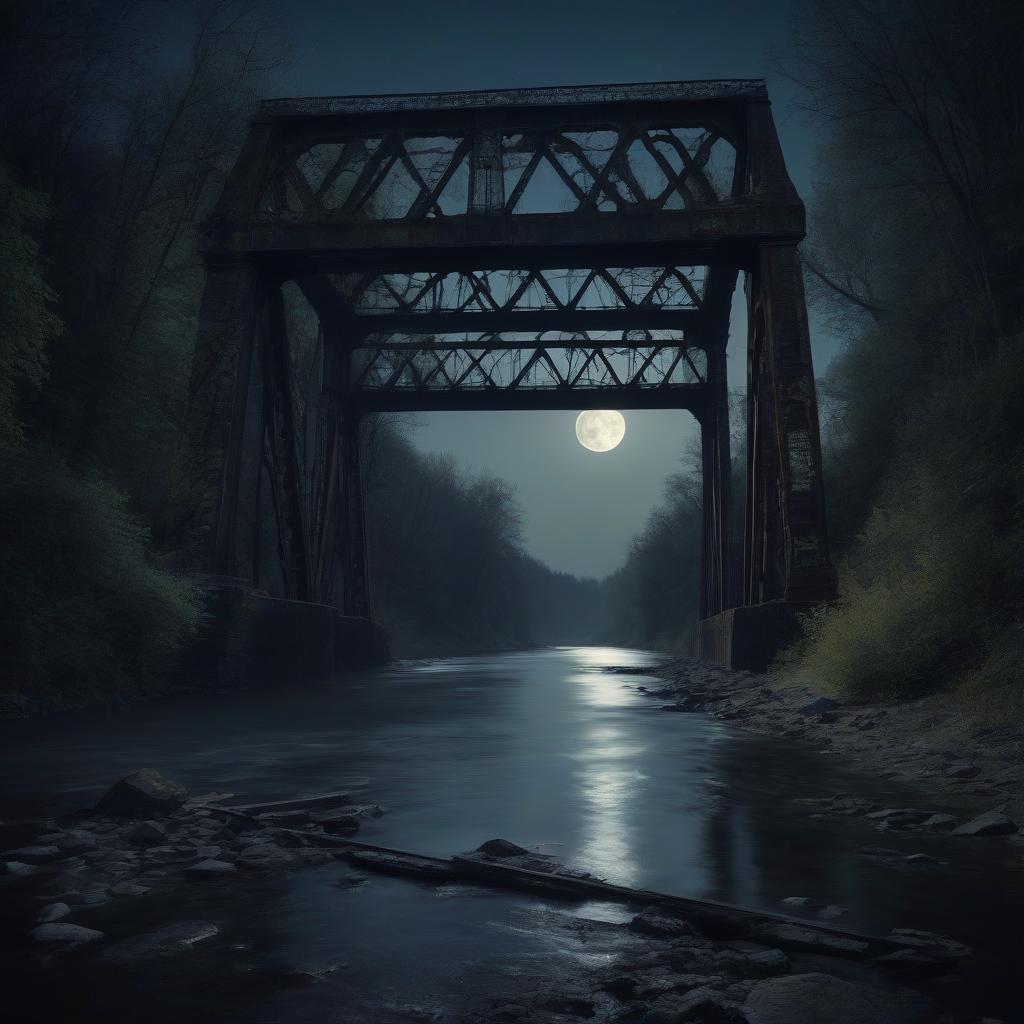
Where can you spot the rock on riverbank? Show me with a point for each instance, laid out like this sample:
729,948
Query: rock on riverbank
974,778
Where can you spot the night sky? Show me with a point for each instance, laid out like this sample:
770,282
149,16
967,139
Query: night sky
581,508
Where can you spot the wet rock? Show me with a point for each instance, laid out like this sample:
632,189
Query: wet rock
149,833
265,857
656,922
921,858
962,771
143,794
209,853
94,896
831,912
820,705
992,823
813,998
899,817
53,912
77,841
808,940
285,819
762,963
33,854
20,869
939,823
798,902
72,934
316,972
501,848
206,869
336,821
932,941
352,880
128,889
170,940
709,1007
164,854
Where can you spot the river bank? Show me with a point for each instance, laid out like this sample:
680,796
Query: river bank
973,777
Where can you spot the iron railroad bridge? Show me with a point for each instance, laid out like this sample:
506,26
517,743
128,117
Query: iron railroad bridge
551,248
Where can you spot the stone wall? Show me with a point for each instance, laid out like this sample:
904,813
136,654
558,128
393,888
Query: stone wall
248,637
747,637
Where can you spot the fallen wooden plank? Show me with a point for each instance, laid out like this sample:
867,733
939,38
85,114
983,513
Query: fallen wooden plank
302,803
714,918
710,916
431,869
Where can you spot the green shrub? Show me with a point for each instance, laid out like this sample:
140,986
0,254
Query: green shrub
86,615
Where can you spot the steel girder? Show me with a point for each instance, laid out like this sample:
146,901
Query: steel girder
511,249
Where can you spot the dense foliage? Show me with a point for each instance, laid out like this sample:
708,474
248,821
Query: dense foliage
915,252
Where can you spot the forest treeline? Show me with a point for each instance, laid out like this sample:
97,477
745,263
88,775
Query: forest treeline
915,255
118,121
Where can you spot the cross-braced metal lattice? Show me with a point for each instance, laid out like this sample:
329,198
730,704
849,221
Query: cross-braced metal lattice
520,249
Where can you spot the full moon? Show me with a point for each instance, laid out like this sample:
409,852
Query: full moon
600,430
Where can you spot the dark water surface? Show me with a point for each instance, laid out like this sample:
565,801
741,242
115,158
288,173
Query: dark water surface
542,748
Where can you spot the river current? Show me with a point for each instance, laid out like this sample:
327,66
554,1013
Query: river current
545,748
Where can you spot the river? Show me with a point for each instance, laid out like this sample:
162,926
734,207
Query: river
544,748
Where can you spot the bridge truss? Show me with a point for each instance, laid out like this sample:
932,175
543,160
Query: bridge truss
518,249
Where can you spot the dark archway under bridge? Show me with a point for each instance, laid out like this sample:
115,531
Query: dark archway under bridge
555,248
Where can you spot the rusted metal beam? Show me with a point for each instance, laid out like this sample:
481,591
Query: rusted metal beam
521,240
691,397
650,318
544,96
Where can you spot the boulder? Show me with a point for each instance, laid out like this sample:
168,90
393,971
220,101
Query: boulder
143,794
501,848
72,934
19,868
819,706
798,902
129,889
210,869
654,922
992,823
939,823
149,833
900,817
53,912
813,998
338,821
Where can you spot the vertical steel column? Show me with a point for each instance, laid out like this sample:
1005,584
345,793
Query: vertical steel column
716,466
282,437
785,439
487,176
763,572
356,598
228,321
216,415
716,457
